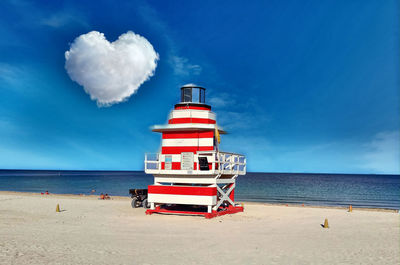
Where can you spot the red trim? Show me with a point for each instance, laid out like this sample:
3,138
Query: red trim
229,210
174,165
190,120
198,191
179,149
193,107
180,135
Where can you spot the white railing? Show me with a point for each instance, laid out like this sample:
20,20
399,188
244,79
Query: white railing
152,162
221,163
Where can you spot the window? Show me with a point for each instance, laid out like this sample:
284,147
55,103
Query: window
187,94
203,162
168,162
193,94
202,96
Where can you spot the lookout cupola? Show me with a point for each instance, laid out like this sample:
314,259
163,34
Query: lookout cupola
190,169
191,93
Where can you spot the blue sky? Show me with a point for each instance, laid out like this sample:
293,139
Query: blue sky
302,86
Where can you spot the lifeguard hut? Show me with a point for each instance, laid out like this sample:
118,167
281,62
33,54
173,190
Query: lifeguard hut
191,175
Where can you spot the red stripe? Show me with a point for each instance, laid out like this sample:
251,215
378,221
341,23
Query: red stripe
180,149
177,166
200,191
191,120
193,107
175,135
174,165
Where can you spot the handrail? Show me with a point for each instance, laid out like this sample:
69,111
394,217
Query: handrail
221,163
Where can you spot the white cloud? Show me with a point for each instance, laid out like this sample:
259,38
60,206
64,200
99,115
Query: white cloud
110,72
383,153
183,67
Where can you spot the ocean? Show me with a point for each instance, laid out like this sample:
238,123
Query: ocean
370,191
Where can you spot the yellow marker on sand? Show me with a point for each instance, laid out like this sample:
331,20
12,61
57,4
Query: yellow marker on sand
326,225
58,208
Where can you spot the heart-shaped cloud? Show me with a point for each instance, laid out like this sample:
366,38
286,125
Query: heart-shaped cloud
110,72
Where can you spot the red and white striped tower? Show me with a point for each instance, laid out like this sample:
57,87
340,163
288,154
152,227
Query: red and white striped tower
190,169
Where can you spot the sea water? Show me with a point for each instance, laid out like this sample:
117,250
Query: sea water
375,191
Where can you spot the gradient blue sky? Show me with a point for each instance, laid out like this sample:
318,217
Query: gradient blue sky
302,86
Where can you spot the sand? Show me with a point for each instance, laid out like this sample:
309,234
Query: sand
91,231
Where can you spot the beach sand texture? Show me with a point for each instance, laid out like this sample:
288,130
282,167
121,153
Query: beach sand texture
91,231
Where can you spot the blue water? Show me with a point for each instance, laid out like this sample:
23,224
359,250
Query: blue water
377,191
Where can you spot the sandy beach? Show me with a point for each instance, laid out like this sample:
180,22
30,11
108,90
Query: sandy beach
92,231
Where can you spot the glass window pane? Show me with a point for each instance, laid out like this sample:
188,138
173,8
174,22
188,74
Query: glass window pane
195,95
202,96
187,94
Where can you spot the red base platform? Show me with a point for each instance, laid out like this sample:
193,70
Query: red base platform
221,211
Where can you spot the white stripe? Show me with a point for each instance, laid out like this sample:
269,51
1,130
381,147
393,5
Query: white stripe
202,114
175,158
180,142
206,141
188,142
182,199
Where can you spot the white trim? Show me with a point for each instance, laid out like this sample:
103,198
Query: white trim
188,113
199,180
186,127
193,172
180,172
